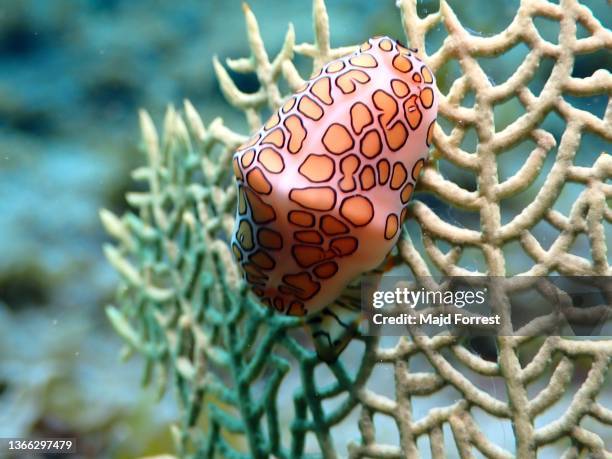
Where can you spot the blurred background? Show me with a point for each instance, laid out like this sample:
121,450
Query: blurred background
72,76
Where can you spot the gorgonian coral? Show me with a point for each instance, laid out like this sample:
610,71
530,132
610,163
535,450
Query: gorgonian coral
249,386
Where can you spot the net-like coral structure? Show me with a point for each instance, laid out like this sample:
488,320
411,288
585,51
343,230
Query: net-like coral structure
247,380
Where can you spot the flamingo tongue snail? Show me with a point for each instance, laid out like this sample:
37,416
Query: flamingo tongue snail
323,185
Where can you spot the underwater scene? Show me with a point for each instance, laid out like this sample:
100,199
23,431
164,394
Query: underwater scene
322,229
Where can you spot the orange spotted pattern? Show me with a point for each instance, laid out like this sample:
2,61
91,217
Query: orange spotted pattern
323,186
